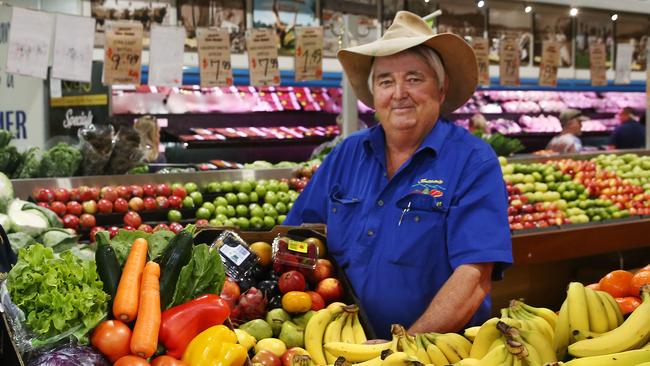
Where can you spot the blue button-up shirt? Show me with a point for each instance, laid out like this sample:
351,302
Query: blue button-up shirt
399,240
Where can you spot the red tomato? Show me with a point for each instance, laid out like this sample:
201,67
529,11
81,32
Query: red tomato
112,338
131,360
167,361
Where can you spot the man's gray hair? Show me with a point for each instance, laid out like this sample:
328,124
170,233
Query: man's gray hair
426,53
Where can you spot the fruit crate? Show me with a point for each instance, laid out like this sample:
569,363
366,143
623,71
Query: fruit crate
207,234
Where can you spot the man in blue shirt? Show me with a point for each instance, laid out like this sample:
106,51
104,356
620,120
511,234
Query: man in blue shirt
630,134
415,207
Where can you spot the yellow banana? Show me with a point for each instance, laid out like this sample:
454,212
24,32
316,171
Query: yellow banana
643,364
459,342
647,346
587,335
436,356
421,350
357,329
486,335
468,362
355,352
451,352
577,304
598,320
614,359
562,336
333,334
398,359
540,344
371,362
471,332
535,322
314,333
496,357
614,305
633,333
407,346
347,333
610,311
547,314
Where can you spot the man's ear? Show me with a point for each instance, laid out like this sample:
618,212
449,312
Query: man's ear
443,90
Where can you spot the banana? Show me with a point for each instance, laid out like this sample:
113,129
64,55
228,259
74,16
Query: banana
647,346
407,345
398,359
468,362
610,311
547,314
537,322
587,335
496,357
436,356
357,329
643,364
614,359
598,320
610,299
450,350
459,342
333,334
354,352
486,335
314,332
421,350
577,304
347,333
633,333
540,344
471,332
371,362
562,336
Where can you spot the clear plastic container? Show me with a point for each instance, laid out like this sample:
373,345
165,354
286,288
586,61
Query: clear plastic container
293,254
238,260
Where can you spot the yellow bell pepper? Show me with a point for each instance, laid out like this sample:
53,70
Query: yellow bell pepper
232,355
205,349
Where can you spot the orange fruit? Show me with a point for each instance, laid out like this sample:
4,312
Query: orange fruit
628,304
618,283
594,286
296,302
639,279
263,251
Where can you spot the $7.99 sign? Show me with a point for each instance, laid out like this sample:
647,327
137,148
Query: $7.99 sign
262,57
214,56
122,53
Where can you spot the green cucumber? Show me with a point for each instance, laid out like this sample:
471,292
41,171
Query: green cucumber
108,268
177,254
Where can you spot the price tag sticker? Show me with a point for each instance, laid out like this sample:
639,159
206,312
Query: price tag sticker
297,246
309,53
123,53
597,64
214,57
262,57
550,63
509,62
482,51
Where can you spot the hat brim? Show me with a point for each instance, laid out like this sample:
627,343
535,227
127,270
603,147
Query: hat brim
456,55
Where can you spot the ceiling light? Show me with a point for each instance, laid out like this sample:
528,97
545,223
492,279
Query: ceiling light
614,17
573,12
480,3
528,9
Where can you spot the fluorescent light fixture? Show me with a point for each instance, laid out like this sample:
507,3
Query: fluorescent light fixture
573,12
426,1
528,9
614,17
480,3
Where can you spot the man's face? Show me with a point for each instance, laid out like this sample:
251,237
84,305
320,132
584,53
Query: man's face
575,127
623,116
406,93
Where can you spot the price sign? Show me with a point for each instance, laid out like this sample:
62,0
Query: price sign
550,63
482,51
214,57
123,53
624,53
166,55
29,42
597,66
73,48
262,57
509,62
309,53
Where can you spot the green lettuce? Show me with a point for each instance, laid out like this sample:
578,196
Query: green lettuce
58,294
204,274
157,241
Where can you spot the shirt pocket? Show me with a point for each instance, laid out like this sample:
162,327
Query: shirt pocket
344,209
420,236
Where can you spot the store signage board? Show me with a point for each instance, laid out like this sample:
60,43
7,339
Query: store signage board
262,57
73,48
482,50
309,53
624,53
214,57
30,40
550,62
509,62
123,53
597,64
166,55
20,112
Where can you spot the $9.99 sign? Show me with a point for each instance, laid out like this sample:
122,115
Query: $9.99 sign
262,57
123,53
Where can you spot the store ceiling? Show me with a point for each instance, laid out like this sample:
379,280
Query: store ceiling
634,6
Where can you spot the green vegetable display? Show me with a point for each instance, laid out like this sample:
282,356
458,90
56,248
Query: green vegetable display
30,167
158,241
9,159
62,160
204,274
5,138
57,294
6,193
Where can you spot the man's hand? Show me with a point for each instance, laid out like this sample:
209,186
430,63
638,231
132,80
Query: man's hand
457,301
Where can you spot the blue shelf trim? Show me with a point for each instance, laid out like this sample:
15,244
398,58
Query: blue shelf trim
333,79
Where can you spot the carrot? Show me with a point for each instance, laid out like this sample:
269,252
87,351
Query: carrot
127,298
144,340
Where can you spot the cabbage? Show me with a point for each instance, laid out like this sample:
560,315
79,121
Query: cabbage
5,222
59,239
6,192
71,356
31,219
19,241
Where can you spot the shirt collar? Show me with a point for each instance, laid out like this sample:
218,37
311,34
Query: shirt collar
375,141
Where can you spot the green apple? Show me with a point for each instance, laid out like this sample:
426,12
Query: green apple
269,222
191,187
241,210
221,217
243,223
271,211
176,185
221,210
226,186
256,222
188,202
235,185
210,206
261,190
253,197
257,212
242,197
541,187
220,201
230,211
203,213
215,222
283,187
280,219
271,198
503,161
174,216
214,187
197,197
283,197
231,198
245,187
273,185
281,208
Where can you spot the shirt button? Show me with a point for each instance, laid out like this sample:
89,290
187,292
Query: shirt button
380,203
417,218
334,209
385,174
371,233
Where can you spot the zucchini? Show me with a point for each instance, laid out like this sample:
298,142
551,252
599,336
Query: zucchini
108,268
177,254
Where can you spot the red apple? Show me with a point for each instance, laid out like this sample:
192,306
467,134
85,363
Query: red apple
123,192
87,221
291,281
105,206
136,190
317,301
161,227
149,190
74,194
94,193
132,219
90,206
136,204
146,228
59,208
109,193
71,222
162,202
62,195
175,227
201,222
121,205
44,204
266,358
324,269
74,208
175,201
129,228
85,194
163,190
179,191
94,231
113,230
330,289
43,195
287,356
150,203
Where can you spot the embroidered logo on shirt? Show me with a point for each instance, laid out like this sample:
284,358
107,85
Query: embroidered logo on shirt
431,187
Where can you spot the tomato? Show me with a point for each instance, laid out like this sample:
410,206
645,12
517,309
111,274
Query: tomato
230,289
112,338
131,360
296,302
317,301
167,361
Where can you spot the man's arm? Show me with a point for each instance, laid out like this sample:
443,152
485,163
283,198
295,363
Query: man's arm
457,301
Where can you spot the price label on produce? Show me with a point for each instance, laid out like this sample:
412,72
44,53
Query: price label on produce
597,64
123,53
214,57
482,50
262,57
509,62
550,63
309,53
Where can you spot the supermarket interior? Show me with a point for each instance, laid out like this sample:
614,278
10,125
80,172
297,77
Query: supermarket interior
324,182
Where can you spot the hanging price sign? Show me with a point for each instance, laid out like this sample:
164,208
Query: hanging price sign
597,65
262,57
550,63
309,53
214,57
123,53
509,62
482,50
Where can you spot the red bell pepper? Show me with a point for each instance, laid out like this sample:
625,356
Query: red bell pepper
180,324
